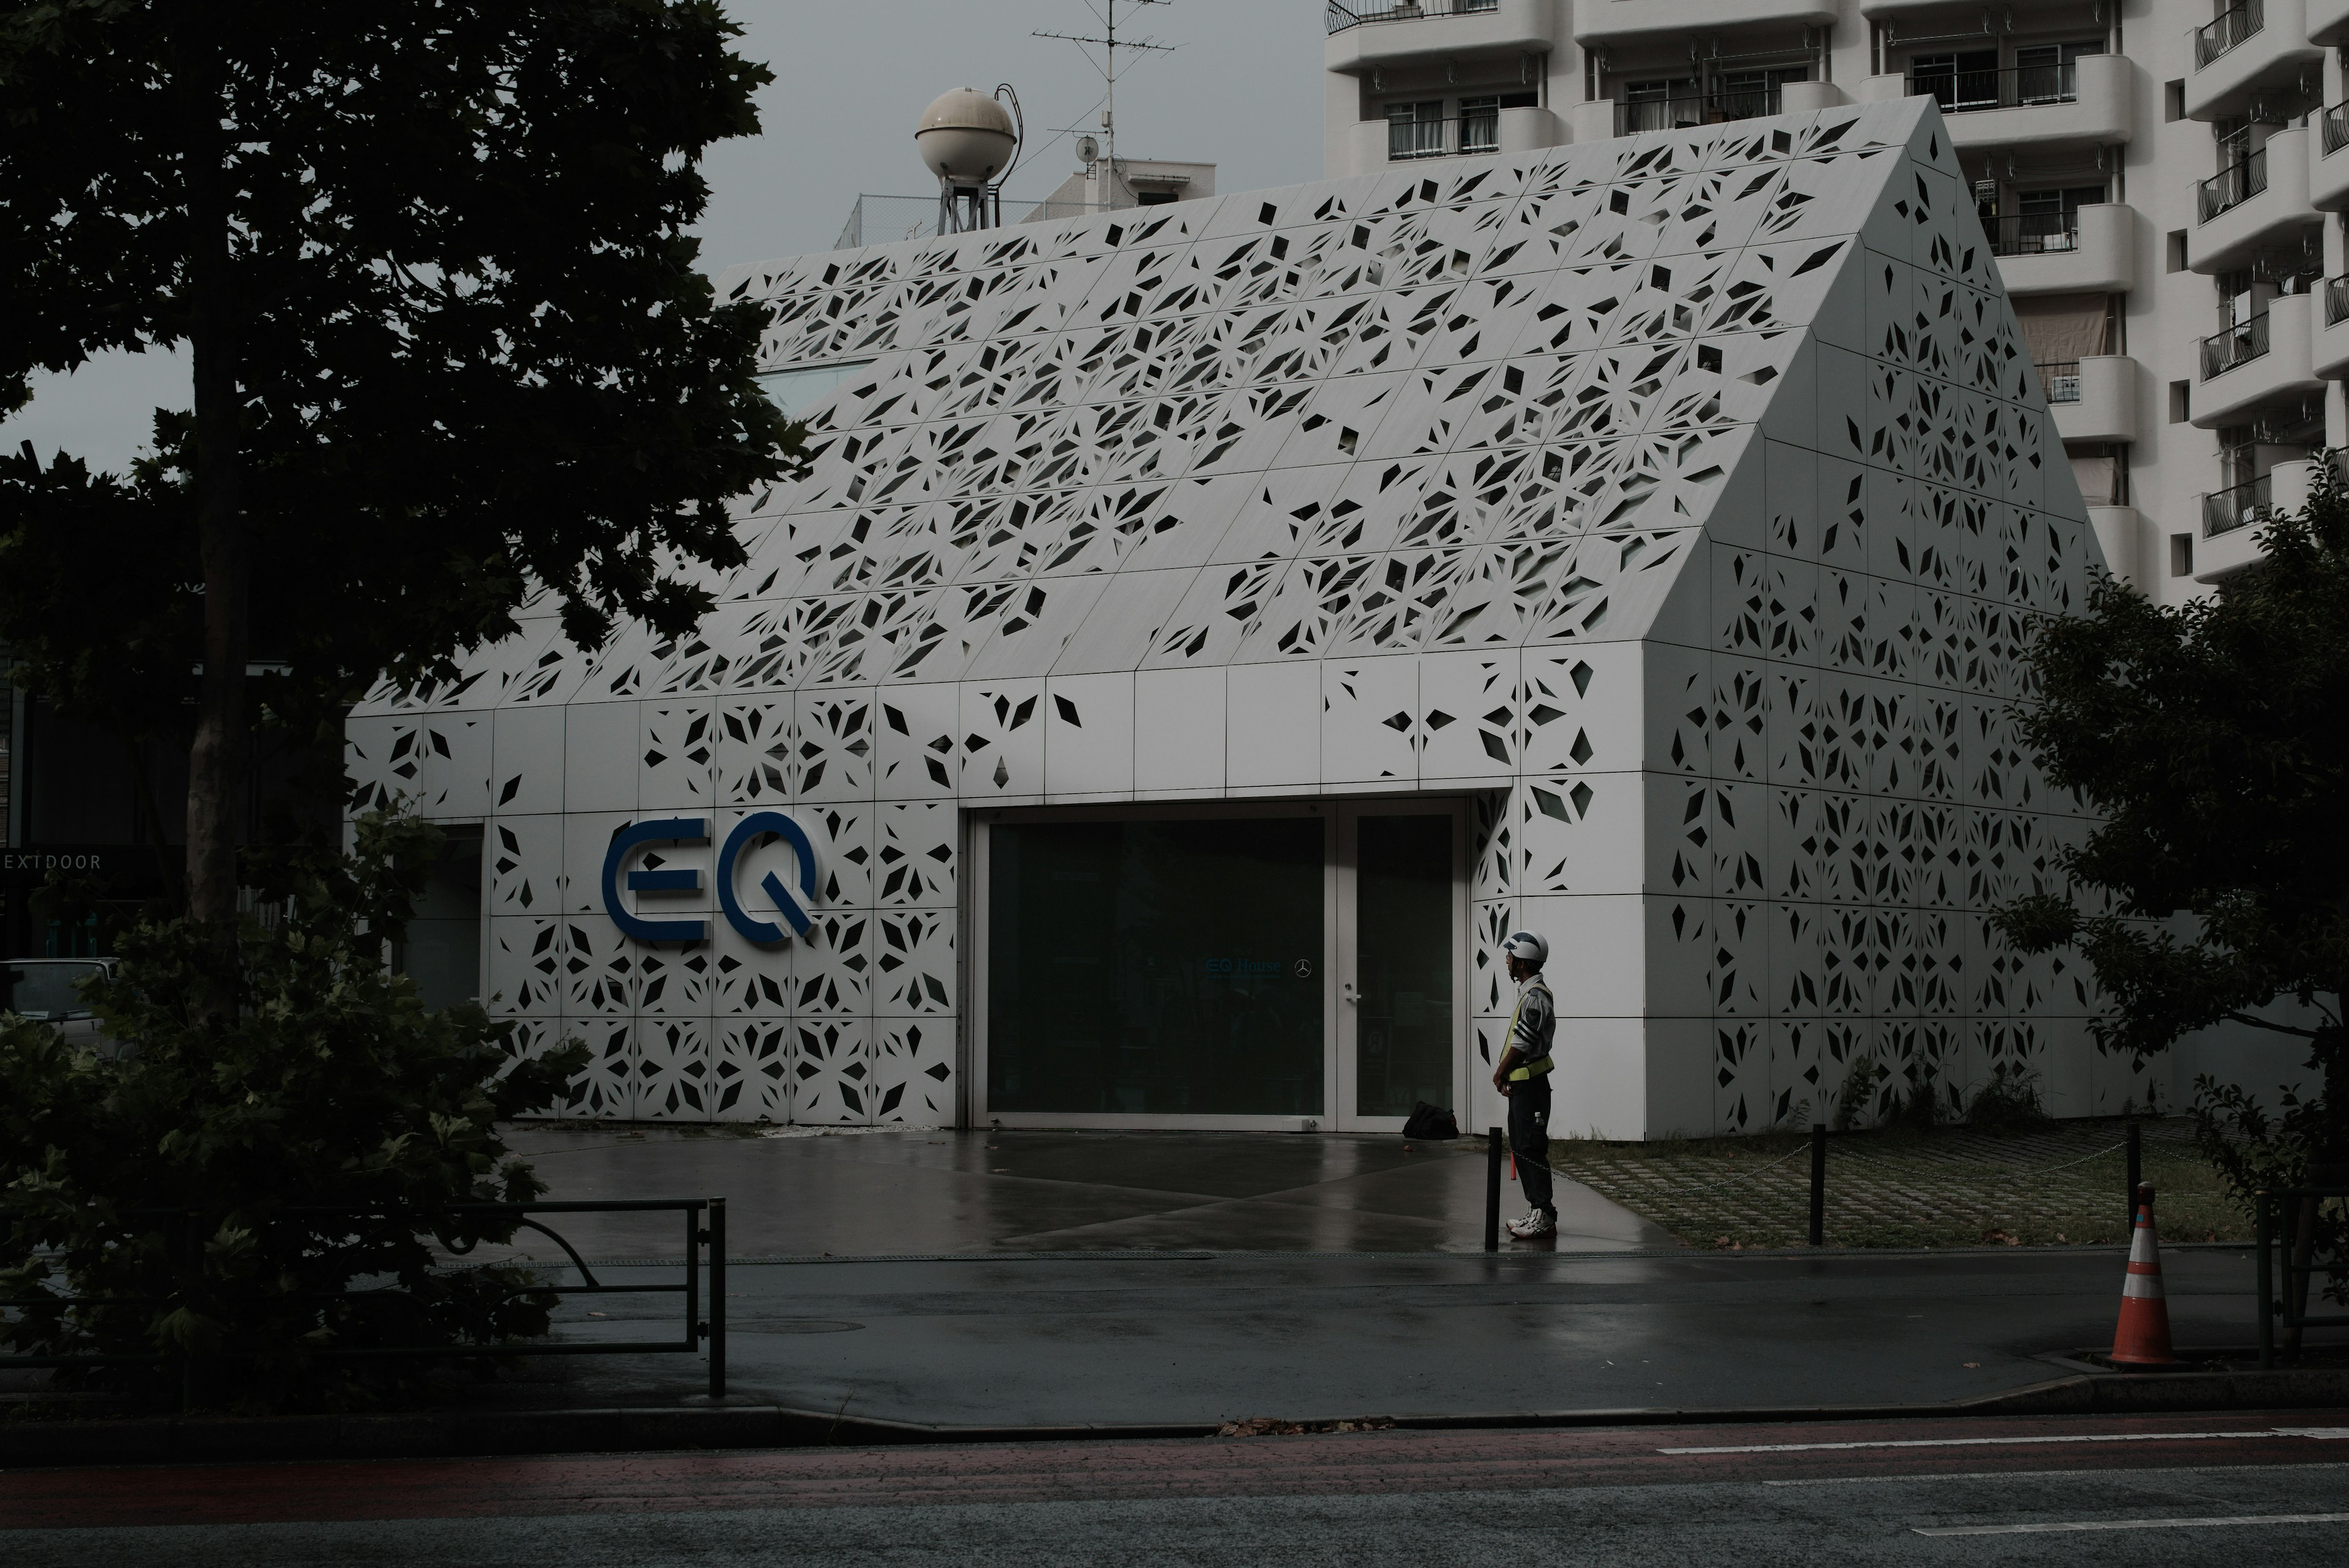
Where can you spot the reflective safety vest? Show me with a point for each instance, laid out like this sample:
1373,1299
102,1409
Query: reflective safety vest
1536,1068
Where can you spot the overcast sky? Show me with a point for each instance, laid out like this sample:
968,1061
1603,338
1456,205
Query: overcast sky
1242,91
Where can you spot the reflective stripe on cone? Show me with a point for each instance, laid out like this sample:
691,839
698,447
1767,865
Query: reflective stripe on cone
2142,1338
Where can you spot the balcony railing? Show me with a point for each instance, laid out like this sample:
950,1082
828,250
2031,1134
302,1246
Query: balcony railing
2224,511
1340,17
2232,187
2336,300
2336,129
2238,345
2061,379
2033,233
2018,87
1635,115
2225,30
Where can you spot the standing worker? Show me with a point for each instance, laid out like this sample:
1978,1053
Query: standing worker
1523,1075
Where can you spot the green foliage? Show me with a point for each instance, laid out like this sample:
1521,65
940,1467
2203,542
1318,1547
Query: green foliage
434,263
1855,1101
176,1175
2008,1103
1920,1109
2208,738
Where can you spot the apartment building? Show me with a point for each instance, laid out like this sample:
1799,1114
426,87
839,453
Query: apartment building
2158,180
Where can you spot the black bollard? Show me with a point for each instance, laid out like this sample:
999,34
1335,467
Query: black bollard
1492,1191
1818,1184
717,1298
2135,1173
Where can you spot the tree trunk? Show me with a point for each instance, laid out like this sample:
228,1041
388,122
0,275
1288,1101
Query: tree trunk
216,755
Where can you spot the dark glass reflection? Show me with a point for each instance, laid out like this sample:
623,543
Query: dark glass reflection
1403,903
1155,967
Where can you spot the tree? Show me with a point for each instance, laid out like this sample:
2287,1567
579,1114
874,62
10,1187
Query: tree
177,1186
431,262
2215,888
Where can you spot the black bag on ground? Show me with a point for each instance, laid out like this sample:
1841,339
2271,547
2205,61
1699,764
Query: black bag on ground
1428,1121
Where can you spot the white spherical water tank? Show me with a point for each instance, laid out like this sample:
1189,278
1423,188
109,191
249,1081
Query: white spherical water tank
965,137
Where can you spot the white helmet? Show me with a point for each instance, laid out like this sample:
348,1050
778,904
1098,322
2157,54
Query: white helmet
1528,946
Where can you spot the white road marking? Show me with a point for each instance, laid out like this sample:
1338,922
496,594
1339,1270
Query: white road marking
2076,1526
1897,1480
2318,1432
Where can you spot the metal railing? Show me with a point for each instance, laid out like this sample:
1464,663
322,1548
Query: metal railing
1340,17
2016,87
2060,378
2237,345
183,1238
2225,30
2224,511
2291,1309
1635,115
2232,187
2336,129
2336,300
2033,233
876,220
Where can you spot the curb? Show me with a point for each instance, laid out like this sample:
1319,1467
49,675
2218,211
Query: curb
465,1434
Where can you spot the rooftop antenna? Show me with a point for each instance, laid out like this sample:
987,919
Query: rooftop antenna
1109,44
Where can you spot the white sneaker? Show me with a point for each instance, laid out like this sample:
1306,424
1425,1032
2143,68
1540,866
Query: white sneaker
1534,1223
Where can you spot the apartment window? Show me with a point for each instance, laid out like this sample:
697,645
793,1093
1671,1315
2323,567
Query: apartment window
1745,95
2176,250
2173,100
2181,401
1414,130
2237,296
2181,554
2238,456
1965,79
2046,219
2233,139
1480,119
1662,105
2048,73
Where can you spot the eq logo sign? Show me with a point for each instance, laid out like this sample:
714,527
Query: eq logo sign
758,826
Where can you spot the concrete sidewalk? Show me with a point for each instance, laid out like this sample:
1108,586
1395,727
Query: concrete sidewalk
1065,1279
896,1193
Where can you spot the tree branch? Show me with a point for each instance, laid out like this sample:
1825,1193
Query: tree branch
2279,1028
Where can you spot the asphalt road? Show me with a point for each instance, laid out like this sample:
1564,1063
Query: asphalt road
2245,1489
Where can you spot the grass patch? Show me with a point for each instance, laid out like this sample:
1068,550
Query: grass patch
2019,1183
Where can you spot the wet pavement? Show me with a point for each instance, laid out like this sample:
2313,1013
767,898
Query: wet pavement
897,1193
994,1279
1180,1337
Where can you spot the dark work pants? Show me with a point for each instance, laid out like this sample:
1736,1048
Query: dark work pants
1529,1140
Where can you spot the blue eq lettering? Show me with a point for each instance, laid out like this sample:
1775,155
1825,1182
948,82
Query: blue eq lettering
686,879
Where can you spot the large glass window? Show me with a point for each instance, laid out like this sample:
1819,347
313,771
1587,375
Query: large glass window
1155,967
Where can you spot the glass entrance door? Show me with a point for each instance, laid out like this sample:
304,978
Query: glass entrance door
1399,960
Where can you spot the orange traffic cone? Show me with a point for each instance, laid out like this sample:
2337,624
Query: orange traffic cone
2143,1337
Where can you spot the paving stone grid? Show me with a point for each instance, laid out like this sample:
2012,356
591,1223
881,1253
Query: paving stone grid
1895,1187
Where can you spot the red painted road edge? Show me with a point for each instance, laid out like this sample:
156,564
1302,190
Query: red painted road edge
1312,1464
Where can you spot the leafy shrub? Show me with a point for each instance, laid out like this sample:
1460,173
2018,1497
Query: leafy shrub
293,1073
2008,1103
1859,1084
2256,1152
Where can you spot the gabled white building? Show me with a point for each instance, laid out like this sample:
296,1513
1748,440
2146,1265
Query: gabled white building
1207,628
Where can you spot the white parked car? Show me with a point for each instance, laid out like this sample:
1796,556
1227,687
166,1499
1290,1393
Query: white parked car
44,989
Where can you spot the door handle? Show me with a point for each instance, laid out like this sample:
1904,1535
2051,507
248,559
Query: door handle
1348,991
